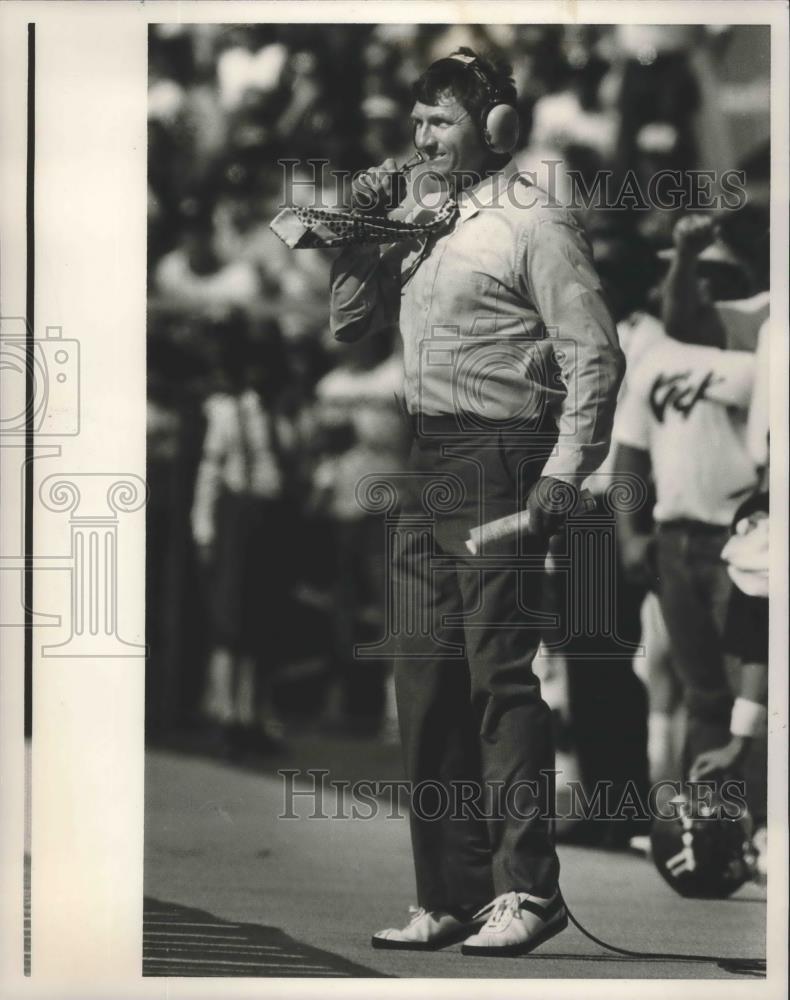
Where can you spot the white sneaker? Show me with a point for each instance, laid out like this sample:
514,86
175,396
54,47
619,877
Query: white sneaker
427,930
517,922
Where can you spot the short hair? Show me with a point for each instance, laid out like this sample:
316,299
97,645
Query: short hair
455,76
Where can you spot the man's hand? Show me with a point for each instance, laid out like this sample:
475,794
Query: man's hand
722,760
377,189
693,233
549,504
639,559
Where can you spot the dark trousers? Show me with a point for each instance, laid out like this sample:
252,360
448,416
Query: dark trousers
606,700
598,632
694,593
357,587
469,705
608,709
248,577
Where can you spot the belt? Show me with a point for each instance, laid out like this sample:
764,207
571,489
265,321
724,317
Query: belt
425,424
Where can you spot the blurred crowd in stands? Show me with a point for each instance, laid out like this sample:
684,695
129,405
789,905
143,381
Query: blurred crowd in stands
238,329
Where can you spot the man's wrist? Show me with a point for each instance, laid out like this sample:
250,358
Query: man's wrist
748,720
557,491
573,479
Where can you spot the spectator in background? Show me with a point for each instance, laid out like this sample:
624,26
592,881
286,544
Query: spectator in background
183,104
237,524
658,95
573,119
358,397
305,119
250,66
746,637
382,61
193,276
574,127
384,131
682,420
746,556
167,426
292,287
630,272
180,374
666,718
655,93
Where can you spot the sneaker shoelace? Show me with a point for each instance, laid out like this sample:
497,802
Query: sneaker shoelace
418,912
505,906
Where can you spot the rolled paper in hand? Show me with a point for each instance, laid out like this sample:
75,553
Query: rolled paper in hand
517,524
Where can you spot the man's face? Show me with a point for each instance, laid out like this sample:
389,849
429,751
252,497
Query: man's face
448,137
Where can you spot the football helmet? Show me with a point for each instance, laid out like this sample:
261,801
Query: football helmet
701,852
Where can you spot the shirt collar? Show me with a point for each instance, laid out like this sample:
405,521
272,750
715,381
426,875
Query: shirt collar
486,193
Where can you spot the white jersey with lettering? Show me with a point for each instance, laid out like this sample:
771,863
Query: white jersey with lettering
687,406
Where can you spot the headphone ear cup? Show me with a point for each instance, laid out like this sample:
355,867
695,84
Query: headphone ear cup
501,128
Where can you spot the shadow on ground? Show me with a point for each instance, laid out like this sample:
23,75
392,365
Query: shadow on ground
180,941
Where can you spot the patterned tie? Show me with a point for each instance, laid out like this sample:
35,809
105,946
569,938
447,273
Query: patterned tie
302,228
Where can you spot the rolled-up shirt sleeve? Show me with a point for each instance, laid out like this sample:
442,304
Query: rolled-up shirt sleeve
562,282
365,293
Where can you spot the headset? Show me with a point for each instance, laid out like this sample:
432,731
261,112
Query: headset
498,121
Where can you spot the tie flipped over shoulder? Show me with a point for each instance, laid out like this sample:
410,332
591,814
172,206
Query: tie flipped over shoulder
303,228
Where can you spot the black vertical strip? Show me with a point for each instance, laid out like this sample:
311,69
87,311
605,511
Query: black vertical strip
30,388
30,370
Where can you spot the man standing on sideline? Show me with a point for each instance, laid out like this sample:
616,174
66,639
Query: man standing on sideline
683,423
512,369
